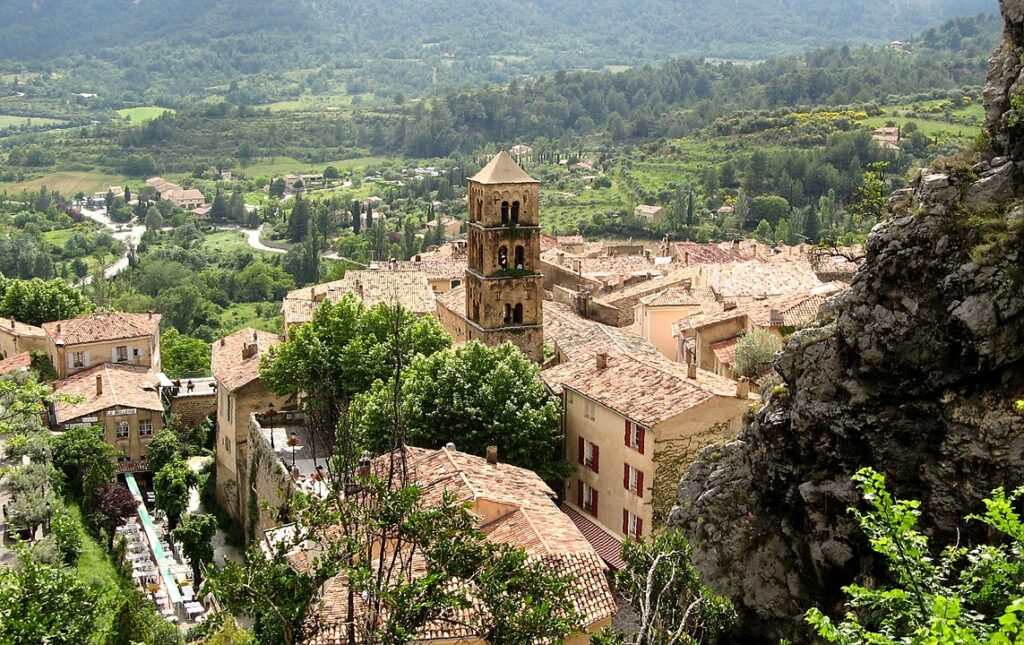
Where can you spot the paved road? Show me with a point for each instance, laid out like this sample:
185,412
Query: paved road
129,235
253,237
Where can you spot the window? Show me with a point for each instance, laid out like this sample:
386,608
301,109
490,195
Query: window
632,526
231,408
504,212
122,354
515,212
520,258
586,498
635,436
517,313
479,209
588,454
227,443
508,314
503,257
78,359
122,429
590,410
633,480
146,428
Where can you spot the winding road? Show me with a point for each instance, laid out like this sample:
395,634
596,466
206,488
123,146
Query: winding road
130,235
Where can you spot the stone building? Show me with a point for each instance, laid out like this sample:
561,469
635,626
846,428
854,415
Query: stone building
124,401
235,362
81,343
18,337
504,285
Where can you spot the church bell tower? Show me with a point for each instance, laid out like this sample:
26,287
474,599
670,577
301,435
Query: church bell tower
504,285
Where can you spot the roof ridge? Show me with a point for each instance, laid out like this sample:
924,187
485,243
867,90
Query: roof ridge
113,391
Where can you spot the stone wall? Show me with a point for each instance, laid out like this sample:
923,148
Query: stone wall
192,410
268,480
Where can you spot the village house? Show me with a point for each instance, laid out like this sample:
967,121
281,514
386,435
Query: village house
124,401
17,338
521,152
411,289
235,362
104,337
633,424
15,363
655,313
650,213
443,273
183,198
708,338
450,226
888,138
512,506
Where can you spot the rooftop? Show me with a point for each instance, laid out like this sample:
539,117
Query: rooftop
102,326
681,297
235,359
647,390
411,289
792,310
108,386
15,328
578,338
502,169
22,361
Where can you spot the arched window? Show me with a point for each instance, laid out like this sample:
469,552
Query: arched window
504,212
515,212
476,312
520,257
479,210
517,313
503,257
456,283
508,314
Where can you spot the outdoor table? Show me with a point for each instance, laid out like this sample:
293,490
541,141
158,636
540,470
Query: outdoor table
186,592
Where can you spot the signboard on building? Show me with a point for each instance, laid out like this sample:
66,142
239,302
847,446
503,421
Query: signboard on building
121,412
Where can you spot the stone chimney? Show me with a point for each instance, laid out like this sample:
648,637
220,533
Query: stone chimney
775,317
449,446
12,323
602,360
249,350
58,328
150,315
99,385
742,389
492,455
691,370
222,342
728,306
686,259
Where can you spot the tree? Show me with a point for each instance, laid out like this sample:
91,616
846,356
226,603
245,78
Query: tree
171,485
769,207
959,596
764,232
164,448
330,172
784,232
220,209
154,220
136,621
78,451
476,396
356,211
812,227
37,301
661,584
115,504
195,534
67,533
277,187
298,222
755,352
183,356
46,603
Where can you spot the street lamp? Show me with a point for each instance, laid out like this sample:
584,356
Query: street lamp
294,442
270,417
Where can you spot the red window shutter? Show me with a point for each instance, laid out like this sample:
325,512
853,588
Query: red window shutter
627,437
625,476
582,451
625,522
597,452
579,494
640,439
639,483
639,527
593,497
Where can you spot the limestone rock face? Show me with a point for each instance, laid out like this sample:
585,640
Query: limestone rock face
914,371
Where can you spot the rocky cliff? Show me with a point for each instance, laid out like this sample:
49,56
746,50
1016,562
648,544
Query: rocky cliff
913,371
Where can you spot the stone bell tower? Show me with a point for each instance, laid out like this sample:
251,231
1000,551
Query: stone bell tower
504,286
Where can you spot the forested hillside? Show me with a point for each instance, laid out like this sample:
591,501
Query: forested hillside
172,48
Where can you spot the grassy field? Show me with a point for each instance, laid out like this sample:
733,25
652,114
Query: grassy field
259,315
7,120
96,569
562,212
311,103
142,114
67,183
273,166
227,243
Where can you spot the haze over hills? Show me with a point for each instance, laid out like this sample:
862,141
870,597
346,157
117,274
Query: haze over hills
179,45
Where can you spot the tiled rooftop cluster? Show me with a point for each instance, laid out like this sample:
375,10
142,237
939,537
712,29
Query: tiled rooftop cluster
102,327
411,289
106,386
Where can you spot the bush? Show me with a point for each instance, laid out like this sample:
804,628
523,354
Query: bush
67,533
755,352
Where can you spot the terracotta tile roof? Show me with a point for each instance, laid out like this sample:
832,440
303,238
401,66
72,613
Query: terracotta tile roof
234,365
450,268
527,517
21,361
408,288
579,338
502,169
725,351
12,327
100,327
604,267
455,300
608,546
681,297
689,253
753,278
122,386
794,310
646,390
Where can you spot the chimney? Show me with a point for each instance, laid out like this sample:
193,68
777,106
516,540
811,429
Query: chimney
99,385
222,341
255,336
742,389
691,370
12,323
249,350
492,455
58,328
150,315
775,317
602,360
449,446
728,306
686,259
